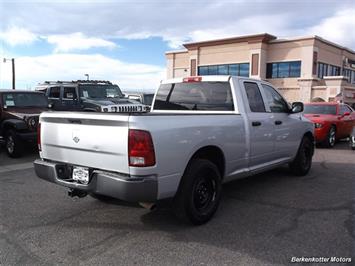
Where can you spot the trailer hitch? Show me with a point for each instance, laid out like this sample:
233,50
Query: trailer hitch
77,193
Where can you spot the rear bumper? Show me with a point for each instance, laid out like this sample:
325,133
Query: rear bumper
132,189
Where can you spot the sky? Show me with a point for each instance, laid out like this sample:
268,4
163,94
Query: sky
125,41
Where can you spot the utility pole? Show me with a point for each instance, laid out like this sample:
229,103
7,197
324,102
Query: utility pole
13,71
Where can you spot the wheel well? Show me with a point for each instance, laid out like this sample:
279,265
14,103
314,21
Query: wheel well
213,154
311,137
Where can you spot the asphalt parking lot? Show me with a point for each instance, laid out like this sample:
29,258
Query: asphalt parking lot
262,220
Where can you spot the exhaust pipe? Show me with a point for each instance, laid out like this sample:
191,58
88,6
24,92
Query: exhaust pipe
148,205
77,193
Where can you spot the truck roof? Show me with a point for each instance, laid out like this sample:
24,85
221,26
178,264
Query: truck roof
220,78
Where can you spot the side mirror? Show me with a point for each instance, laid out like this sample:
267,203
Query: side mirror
297,107
346,114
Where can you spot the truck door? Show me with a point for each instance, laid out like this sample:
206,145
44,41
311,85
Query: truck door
69,99
54,97
261,127
346,121
286,134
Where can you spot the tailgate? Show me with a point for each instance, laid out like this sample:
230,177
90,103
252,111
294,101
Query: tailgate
95,140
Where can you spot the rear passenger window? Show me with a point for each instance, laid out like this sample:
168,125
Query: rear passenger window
255,99
69,93
203,96
54,92
274,100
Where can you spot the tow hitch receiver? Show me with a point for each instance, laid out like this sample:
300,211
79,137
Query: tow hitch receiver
77,193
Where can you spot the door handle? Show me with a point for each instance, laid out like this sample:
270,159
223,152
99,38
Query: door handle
256,123
278,122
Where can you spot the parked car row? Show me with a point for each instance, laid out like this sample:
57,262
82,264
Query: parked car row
20,110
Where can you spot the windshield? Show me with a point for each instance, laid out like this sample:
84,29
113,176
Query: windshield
99,91
25,100
148,98
320,109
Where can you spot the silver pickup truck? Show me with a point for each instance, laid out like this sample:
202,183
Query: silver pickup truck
201,132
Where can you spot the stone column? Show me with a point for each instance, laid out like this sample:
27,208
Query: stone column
306,85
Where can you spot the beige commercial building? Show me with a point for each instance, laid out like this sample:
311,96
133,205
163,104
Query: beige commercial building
301,68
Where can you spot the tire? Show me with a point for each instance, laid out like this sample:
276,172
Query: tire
13,145
303,161
330,141
352,142
199,192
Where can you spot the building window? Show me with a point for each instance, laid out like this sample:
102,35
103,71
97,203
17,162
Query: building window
327,70
334,70
227,69
283,69
322,70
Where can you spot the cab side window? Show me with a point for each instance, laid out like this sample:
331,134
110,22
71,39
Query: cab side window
344,109
274,100
69,93
54,92
255,99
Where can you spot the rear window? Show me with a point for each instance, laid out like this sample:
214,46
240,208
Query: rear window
25,99
202,96
320,109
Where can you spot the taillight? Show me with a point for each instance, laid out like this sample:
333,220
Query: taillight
140,148
192,79
39,136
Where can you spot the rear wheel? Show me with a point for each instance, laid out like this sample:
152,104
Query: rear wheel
330,141
303,161
352,142
14,146
199,192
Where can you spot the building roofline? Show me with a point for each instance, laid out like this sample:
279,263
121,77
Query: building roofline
176,51
263,37
313,37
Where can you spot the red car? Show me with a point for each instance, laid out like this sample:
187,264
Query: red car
332,121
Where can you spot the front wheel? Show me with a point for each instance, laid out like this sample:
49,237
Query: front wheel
330,141
14,146
303,161
199,192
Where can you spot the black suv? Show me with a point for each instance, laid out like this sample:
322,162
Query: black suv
87,95
19,114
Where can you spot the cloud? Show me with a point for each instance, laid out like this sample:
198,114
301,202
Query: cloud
177,21
339,28
32,70
18,36
77,41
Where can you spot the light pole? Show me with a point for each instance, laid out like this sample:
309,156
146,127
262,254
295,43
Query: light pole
13,70
87,76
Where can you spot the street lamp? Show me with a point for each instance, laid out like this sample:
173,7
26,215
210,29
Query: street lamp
13,70
87,76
